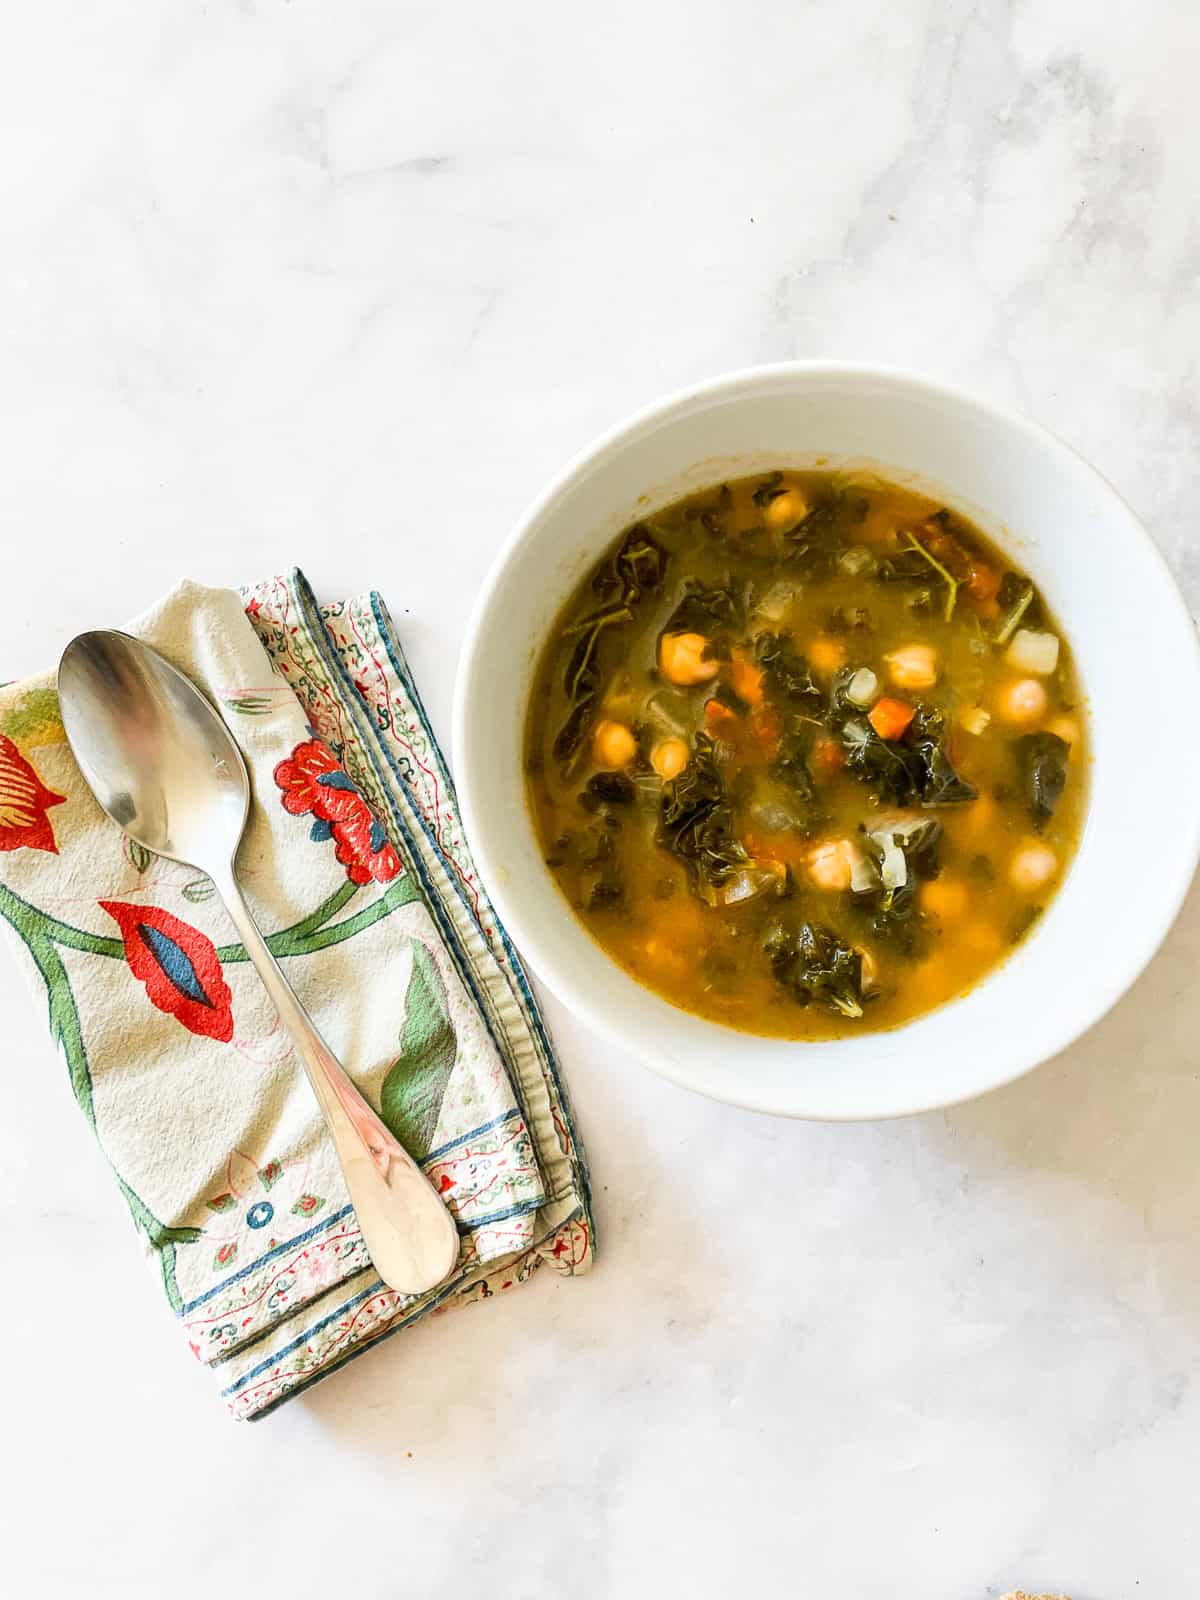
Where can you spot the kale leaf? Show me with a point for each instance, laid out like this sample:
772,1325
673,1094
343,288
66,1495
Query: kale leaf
606,789
708,609
696,823
790,766
816,967
940,784
813,545
1042,759
891,769
600,881
914,770
786,673
904,850
636,569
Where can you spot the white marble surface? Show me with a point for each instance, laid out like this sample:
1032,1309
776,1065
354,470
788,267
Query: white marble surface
341,284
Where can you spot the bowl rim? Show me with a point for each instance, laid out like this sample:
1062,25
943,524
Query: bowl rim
525,937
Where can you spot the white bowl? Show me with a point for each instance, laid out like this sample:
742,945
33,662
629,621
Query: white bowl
1134,644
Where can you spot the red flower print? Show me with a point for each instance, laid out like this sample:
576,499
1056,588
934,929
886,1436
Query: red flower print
364,849
314,782
179,966
313,779
24,802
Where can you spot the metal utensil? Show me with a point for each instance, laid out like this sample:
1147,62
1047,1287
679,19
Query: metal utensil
164,767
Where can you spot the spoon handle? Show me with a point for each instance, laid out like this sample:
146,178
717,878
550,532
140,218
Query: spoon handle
411,1237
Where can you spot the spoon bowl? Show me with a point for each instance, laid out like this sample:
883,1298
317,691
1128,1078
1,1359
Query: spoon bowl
155,754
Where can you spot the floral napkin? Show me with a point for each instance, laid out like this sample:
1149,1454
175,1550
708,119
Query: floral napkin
356,866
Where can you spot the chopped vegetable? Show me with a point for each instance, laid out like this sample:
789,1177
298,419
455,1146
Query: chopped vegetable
828,756
718,718
790,766
606,789
817,968
696,824
747,678
1042,759
891,718
948,579
635,570
1033,652
776,602
786,675
709,609
857,561
974,719
1016,596
814,544
862,688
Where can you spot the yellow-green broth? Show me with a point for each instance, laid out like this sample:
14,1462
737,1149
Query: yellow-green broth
846,574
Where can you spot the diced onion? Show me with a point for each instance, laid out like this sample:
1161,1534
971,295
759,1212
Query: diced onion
1033,652
864,875
773,606
862,688
893,869
974,719
856,561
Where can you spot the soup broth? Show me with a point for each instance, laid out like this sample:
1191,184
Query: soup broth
807,754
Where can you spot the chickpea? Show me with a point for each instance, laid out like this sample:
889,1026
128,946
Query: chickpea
683,658
831,865
1021,702
786,509
613,745
826,655
913,666
944,898
669,758
1032,867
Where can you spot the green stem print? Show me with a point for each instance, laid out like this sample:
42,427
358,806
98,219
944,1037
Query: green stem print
43,935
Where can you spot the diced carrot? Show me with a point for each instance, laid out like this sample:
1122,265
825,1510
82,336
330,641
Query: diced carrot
747,678
983,584
890,717
719,718
828,756
768,726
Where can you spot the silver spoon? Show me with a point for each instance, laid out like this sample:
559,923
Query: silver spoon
164,767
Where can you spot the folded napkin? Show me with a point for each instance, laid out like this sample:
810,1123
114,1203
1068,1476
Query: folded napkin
356,866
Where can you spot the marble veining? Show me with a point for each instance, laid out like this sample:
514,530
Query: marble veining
342,285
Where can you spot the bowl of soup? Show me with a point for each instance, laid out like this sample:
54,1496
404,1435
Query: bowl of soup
811,732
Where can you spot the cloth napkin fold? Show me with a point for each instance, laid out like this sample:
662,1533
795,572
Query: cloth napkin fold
356,865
